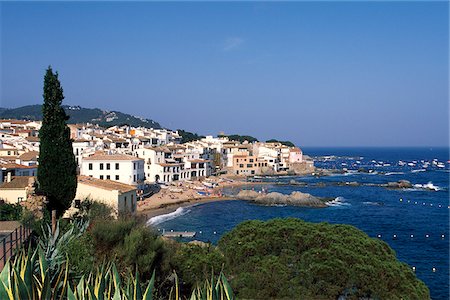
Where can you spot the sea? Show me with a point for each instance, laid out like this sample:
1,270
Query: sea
413,221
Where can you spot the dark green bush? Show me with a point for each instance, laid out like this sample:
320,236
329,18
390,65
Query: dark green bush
142,247
195,264
289,258
81,255
108,234
10,212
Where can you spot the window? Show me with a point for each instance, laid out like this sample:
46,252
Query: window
134,177
90,166
241,165
134,166
117,177
108,177
101,166
251,159
101,176
108,166
249,165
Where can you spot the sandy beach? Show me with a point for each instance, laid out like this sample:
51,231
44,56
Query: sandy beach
187,194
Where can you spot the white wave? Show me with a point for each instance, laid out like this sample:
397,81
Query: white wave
170,216
419,170
338,201
350,172
394,173
429,186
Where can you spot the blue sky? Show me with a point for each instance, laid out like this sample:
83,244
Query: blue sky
318,74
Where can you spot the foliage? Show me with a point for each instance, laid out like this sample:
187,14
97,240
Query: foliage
53,245
94,210
10,212
195,263
240,138
286,143
27,277
107,235
80,252
289,258
187,136
57,176
36,224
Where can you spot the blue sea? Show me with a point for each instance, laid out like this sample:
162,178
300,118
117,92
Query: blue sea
414,222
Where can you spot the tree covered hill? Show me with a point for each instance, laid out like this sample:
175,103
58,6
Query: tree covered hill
79,114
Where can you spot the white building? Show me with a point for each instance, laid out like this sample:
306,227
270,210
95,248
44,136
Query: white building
122,198
172,163
117,167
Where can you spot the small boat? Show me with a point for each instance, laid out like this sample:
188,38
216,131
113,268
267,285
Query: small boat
208,184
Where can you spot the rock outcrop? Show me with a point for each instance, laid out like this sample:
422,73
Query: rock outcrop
295,198
401,184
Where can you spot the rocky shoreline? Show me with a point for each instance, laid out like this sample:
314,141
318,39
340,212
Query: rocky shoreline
274,198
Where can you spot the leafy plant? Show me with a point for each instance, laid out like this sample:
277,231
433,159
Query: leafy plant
290,258
10,212
52,245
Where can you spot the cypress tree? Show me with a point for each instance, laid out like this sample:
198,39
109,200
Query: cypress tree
57,170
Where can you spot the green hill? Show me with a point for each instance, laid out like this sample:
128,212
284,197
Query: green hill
79,114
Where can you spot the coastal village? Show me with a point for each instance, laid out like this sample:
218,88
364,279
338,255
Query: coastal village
136,169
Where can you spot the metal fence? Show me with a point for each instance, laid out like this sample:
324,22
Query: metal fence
12,242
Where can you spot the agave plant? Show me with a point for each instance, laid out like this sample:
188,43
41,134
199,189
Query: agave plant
20,281
44,274
52,244
211,290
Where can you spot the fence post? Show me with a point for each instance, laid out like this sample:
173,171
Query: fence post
10,242
20,235
4,251
15,241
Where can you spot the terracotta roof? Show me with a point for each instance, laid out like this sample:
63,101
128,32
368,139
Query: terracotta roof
198,160
8,158
15,166
81,140
32,155
17,182
107,157
159,149
106,184
170,164
32,139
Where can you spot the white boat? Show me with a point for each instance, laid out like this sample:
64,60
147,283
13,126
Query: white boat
208,184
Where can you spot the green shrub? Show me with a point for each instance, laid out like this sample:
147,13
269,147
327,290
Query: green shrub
143,248
195,264
80,253
10,212
109,234
289,258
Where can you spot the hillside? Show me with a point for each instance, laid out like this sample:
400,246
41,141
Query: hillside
79,114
